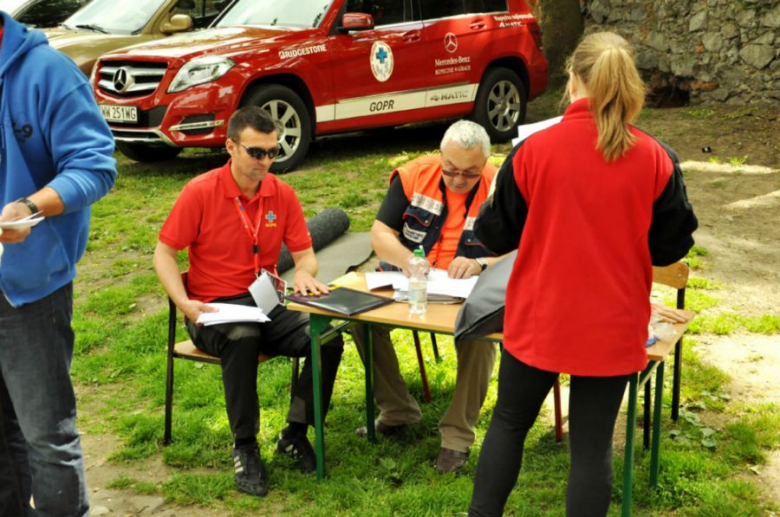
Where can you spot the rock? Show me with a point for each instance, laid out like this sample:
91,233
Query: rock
729,30
683,66
599,10
767,39
698,22
712,41
746,18
657,41
757,56
772,18
647,60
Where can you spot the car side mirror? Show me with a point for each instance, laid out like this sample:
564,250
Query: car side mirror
177,23
356,22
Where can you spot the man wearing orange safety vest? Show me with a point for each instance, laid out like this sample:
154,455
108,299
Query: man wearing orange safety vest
433,202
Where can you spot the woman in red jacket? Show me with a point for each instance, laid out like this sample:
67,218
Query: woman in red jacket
591,204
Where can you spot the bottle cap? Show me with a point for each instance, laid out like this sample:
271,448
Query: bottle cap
419,252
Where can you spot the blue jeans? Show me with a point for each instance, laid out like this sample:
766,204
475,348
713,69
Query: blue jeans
40,450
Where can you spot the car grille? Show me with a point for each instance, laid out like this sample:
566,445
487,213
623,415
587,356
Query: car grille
130,78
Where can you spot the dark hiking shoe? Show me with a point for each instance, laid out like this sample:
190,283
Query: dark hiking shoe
299,449
450,460
251,476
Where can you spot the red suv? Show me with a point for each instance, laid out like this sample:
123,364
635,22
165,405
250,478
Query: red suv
325,66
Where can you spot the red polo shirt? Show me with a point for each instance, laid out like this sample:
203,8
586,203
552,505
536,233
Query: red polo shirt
205,219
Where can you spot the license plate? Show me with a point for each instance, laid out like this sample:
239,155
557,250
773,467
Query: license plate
119,113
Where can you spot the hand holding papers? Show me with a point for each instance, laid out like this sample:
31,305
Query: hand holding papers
25,222
231,313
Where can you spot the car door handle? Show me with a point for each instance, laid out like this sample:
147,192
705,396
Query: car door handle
479,24
411,36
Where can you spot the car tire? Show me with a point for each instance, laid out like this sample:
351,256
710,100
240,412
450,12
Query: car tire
148,153
293,122
500,104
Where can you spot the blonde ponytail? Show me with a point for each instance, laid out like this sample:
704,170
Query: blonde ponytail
604,63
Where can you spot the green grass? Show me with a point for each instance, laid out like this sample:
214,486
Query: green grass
119,367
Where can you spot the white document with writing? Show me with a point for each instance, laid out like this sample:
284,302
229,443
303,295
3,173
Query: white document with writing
231,313
527,130
438,282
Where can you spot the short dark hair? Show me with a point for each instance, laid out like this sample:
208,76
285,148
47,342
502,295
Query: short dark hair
252,117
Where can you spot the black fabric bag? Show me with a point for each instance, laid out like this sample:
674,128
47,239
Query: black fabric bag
483,311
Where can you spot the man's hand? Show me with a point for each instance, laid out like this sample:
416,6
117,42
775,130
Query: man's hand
462,267
192,309
12,212
666,313
304,283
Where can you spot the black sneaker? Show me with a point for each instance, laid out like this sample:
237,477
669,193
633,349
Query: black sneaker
251,476
298,448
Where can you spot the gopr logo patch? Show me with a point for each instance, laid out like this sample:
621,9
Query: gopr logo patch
382,61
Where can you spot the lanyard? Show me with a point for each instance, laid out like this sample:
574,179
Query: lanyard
253,235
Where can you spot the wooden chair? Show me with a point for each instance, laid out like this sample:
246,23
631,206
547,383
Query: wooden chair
676,276
187,350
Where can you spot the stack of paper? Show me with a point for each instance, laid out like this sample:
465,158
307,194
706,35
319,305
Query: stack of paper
439,283
231,313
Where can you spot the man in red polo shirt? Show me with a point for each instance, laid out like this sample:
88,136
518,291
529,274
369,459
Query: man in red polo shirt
233,221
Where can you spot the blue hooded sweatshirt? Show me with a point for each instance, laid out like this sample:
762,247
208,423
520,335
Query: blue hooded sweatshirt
51,134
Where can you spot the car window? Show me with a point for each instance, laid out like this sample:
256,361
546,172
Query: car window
433,9
202,12
385,12
112,17
49,13
486,6
276,13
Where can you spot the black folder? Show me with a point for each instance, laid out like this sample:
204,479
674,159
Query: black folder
342,300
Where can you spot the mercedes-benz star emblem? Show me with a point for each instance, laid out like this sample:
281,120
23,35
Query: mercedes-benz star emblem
450,42
123,80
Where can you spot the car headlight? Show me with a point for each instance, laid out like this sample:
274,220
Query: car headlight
199,71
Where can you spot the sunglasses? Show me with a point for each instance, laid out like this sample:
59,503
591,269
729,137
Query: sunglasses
258,153
466,175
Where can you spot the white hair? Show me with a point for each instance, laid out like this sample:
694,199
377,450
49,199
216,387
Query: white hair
468,135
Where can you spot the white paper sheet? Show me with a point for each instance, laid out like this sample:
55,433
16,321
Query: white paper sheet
25,222
527,130
438,282
231,313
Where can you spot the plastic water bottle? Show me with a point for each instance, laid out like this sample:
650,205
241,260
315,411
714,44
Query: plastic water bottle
418,283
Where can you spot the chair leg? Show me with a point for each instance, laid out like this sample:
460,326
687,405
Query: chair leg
435,348
421,362
168,400
676,379
558,416
646,415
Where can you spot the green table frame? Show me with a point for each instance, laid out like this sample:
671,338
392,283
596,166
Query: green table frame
321,331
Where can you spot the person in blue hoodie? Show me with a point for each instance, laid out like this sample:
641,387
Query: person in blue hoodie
56,158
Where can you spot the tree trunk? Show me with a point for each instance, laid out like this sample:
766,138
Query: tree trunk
562,26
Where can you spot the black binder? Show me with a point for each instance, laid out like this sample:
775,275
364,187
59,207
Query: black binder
342,300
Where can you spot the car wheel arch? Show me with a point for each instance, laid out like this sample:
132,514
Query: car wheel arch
291,81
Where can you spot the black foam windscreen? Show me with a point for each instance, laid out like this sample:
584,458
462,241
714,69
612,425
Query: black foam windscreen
325,227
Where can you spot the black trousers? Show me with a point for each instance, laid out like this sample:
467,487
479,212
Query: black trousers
593,407
238,345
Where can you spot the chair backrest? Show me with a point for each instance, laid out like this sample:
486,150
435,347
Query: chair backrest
674,275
